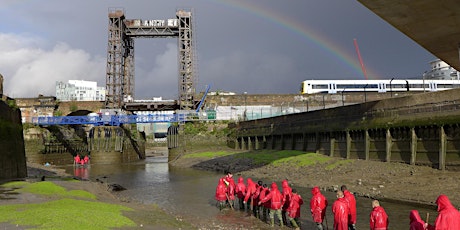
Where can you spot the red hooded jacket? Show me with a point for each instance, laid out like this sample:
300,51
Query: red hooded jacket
275,197
221,190
448,216
378,219
287,193
352,203
263,194
240,188
341,211
294,206
230,187
416,222
318,204
250,189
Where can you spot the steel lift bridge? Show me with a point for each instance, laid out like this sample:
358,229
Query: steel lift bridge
120,71
120,55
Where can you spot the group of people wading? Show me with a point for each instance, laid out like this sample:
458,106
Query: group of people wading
261,201
81,161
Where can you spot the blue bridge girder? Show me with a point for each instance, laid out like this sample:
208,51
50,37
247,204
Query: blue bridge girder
112,120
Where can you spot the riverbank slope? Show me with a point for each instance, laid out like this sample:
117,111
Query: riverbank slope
380,180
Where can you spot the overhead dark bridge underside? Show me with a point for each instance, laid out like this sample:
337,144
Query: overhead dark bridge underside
433,24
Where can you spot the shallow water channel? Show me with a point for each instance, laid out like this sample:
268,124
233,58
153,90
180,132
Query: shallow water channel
189,194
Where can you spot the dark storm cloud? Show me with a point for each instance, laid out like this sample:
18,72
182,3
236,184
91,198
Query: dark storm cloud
239,48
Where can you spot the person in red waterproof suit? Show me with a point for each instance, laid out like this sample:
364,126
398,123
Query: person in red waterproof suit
378,217
448,216
287,193
318,204
256,199
76,160
276,203
221,193
341,210
228,180
352,203
294,209
416,222
266,205
248,198
240,192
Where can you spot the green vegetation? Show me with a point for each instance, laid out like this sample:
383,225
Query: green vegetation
74,209
303,160
49,188
12,104
338,163
208,154
57,113
66,214
292,158
73,107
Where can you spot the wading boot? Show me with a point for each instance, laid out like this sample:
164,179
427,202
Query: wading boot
294,224
272,222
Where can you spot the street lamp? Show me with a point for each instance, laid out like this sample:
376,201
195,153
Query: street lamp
391,87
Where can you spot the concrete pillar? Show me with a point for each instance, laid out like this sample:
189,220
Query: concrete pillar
367,144
282,141
442,148
305,142
318,144
272,144
292,141
413,146
243,144
257,143
348,144
264,142
389,144
332,141
249,144
237,144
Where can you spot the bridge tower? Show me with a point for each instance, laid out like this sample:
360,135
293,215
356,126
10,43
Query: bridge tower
120,54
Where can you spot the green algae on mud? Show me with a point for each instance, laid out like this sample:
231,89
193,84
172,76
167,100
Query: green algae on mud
50,206
66,214
73,209
48,188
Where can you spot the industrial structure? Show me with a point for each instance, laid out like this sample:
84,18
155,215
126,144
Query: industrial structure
120,54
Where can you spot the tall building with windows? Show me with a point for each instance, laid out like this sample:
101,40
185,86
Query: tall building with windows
79,90
441,71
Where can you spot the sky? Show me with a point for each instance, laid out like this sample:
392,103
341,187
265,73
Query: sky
252,46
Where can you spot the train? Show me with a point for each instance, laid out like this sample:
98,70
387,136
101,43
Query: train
381,86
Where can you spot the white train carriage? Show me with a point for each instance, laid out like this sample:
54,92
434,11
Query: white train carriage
381,86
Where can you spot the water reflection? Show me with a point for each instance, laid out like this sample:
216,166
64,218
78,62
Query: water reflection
190,193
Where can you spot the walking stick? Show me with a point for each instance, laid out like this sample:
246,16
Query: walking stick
325,217
427,216
231,206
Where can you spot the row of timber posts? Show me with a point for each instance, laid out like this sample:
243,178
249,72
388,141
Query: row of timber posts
253,143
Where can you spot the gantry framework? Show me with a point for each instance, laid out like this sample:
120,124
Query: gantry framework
120,54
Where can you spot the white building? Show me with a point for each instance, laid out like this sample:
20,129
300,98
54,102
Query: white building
441,71
78,90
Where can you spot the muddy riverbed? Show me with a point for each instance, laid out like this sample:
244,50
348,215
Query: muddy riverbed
419,186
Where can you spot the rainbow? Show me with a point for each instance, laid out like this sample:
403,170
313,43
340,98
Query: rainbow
301,29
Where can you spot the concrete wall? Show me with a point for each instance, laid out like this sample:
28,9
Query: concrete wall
419,129
12,157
